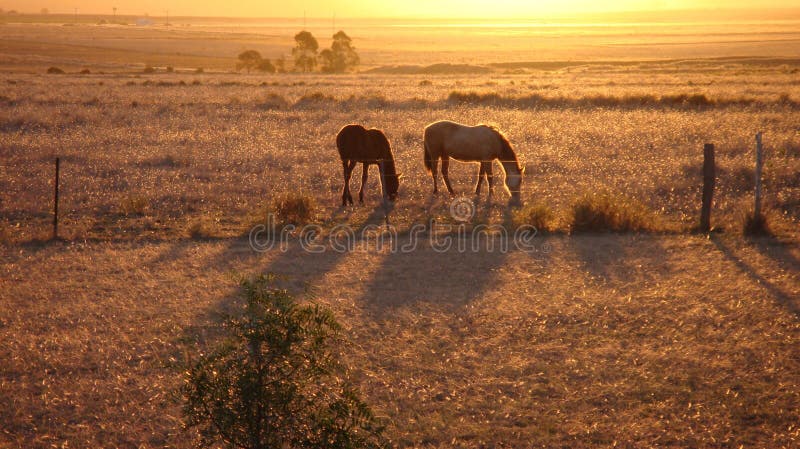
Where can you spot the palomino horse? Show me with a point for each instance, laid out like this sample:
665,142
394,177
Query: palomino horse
368,146
482,143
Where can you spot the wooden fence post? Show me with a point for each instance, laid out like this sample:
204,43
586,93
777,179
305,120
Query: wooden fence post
55,203
709,179
759,164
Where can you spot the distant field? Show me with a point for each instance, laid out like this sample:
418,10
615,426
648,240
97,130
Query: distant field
663,338
219,147
31,42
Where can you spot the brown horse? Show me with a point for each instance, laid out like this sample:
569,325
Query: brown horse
483,144
368,146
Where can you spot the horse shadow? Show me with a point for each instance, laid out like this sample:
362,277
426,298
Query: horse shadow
428,274
615,260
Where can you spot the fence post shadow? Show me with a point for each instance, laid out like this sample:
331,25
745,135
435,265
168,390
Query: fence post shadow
785,260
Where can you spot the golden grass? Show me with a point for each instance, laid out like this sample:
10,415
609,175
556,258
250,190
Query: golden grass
294,208
642,340
538,215
607,212
634,340
224,145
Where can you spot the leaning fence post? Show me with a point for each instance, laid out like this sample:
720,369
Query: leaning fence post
759,164
709,178
55,203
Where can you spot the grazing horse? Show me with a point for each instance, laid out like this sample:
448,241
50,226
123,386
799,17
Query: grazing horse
444,140
368,146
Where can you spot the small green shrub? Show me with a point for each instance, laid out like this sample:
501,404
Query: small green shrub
277,380
295,208
538,215
605,212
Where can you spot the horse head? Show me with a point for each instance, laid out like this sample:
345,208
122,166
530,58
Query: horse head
392,185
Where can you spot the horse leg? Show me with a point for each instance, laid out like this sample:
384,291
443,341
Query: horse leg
489,177
481,171
445,167
345,186
364,172
348,170
434,162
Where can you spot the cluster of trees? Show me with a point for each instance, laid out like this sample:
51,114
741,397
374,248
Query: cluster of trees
340,58
252,60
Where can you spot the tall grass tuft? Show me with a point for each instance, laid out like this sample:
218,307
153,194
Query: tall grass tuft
272,101
133,205
606,212
753,225
202,228
294,208
538,215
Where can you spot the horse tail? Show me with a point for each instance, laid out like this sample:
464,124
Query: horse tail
428,159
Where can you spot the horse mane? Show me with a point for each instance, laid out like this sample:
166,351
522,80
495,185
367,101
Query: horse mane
506,151
384,148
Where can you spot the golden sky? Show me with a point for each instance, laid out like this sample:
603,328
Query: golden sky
517,9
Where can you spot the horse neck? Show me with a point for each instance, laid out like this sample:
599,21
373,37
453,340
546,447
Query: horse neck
387,166
510,166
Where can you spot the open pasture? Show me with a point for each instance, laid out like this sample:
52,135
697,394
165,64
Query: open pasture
145,156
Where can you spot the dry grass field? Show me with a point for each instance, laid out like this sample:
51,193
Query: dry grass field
661,338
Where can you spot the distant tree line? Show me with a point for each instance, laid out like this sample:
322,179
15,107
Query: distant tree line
340,58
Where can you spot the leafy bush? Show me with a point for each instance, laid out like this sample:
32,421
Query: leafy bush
604,212
277,380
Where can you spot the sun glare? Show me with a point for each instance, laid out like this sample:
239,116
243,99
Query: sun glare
422,9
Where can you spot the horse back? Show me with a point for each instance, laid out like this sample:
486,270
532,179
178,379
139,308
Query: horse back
357,143
462,142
